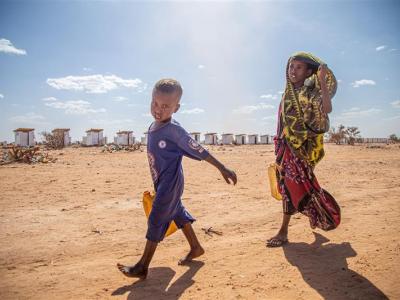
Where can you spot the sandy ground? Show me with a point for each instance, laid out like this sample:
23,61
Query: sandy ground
64,226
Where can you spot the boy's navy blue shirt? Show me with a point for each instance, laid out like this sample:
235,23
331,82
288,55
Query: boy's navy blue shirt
166,145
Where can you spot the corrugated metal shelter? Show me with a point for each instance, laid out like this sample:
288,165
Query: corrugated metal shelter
124,138
264,139
240,139
227,138
94,137
252,139
25,137
210,138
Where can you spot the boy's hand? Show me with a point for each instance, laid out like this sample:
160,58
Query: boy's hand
229,175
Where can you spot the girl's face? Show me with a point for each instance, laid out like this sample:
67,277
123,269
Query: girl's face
163,105
298,72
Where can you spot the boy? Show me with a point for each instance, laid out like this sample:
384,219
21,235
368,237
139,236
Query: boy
167,143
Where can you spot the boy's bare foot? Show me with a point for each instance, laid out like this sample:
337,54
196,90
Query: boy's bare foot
277,241
136,271
195,252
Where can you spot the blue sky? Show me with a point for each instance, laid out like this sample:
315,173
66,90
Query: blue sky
92,64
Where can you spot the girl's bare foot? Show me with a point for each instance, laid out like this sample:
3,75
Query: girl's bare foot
195,252
136,271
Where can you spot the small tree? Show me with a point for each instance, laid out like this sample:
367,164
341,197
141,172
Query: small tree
352,133
337,136
53,141
393,138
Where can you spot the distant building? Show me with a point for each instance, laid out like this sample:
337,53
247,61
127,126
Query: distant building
372,140
124,138
94,137
265,139
210,138
143,140
64,132
252,139
24,137
195,136
240,139
227,138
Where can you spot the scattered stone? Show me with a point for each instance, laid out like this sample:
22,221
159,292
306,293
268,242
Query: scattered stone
115,148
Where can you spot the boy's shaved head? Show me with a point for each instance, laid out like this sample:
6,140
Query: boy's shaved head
168,86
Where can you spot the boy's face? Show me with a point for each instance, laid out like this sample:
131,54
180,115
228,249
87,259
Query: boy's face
163,105
298,72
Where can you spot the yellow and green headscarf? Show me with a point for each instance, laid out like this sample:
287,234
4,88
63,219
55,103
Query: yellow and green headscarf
304,122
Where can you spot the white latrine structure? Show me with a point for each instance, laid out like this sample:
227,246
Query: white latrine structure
227,138
25,137
124,138
143,139
252,139
210,138
240,139
94,137
64,132
195,136
264,139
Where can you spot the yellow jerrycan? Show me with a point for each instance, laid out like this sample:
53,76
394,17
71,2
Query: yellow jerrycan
273,182
148,205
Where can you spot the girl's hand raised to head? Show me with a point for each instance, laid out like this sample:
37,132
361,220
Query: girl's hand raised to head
322,70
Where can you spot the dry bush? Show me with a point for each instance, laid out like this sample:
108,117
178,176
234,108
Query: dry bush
53,140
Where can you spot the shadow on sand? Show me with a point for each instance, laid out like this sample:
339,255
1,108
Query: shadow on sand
324,268
158,279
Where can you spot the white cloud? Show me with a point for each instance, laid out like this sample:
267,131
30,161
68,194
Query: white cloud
269,96
95,84
87,69
201,67
396,104
354,109
75,107
362,82
147,115
49,99
192,111
1,96
357,112
7,47
248,109
112,122
29,118
380,48
120,99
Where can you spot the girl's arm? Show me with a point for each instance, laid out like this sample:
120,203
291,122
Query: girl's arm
326,99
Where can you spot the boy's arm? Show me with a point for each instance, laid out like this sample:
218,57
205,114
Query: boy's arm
326,98
226,173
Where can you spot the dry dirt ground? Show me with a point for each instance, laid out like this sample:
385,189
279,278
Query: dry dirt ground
64,226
